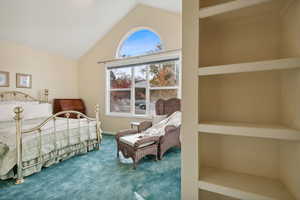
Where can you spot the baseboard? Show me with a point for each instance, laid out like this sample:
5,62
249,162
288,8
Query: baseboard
108,133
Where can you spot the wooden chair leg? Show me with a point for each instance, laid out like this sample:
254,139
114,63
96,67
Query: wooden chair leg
160,156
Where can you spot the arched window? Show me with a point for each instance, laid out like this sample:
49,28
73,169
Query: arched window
141,42
135,84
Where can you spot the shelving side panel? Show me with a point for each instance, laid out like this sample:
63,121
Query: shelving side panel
290,151
190,60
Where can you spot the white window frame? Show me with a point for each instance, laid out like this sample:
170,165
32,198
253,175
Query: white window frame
140,60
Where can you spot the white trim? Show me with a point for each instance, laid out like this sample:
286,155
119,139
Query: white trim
108,133
120,89
165,88
128,115
136,29
132,93
107,92
147,93
144,59
179,93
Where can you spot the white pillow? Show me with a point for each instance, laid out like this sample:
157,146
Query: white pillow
32,111
158,118
7,112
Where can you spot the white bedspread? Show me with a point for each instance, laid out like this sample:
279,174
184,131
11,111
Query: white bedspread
31,140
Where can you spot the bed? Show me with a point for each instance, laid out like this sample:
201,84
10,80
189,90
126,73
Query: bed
32,138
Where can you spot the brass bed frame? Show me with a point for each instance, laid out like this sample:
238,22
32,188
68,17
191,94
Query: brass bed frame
16,95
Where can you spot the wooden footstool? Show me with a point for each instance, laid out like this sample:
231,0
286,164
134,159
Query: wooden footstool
136,147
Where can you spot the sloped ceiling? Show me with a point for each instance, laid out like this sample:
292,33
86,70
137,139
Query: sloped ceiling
66,27
170,5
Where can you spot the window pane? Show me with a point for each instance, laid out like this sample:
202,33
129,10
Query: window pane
160,94
120,101
120,78
140,76
141,42
163,74
140,101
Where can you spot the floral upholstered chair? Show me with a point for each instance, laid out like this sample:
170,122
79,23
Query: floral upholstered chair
154,139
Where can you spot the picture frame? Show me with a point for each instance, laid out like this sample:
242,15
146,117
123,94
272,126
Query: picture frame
23,80
4,79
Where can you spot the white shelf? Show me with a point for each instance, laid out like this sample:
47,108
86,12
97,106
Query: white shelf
280,64
250,130
242,186
228,7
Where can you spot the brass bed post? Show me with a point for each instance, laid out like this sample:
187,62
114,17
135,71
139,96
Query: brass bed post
98,129
18,118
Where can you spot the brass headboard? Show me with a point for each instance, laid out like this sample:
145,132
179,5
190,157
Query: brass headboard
21,96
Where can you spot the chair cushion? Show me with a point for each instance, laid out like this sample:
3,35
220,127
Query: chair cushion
132,139
158,118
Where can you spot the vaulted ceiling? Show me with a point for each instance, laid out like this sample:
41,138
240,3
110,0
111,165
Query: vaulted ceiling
66,27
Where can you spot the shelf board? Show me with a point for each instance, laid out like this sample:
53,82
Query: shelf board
250,130
280,64
228,7
242,186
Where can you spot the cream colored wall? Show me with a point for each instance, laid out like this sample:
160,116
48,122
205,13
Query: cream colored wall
92,75
53,72
290,151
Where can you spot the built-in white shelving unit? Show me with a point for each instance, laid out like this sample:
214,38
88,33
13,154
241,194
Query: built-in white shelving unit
228,7
245,57
278,64
242,186
250,130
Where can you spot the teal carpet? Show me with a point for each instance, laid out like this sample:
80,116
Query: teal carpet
100,175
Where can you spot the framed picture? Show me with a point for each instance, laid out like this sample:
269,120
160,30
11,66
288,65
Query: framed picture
4,79
24,80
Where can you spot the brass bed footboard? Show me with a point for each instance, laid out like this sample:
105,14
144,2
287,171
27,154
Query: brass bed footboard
38,130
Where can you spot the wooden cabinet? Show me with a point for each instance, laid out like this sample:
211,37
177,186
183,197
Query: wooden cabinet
69,104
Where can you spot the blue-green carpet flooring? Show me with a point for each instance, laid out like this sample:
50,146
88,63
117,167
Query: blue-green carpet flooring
101,175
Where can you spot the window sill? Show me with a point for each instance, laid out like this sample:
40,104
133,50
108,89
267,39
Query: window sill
129,116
